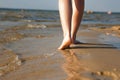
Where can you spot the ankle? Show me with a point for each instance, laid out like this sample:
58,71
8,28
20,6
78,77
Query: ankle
73,38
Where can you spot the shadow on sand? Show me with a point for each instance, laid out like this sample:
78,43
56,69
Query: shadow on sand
91,46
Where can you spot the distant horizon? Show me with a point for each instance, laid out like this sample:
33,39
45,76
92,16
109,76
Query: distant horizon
93,5
54,9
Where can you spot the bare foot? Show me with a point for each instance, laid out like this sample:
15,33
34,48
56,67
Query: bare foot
66,43
77,42
74,41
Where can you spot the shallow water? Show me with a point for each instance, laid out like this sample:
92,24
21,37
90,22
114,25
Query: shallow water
109,39
34,35
9,61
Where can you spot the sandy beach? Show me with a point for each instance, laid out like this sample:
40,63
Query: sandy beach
96,58
28,51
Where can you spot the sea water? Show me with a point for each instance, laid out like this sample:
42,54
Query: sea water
53,15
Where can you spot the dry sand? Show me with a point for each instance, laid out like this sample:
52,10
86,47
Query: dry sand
95,59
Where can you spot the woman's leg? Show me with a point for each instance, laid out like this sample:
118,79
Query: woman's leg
65,10
78,9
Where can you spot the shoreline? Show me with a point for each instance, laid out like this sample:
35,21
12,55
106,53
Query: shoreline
41,59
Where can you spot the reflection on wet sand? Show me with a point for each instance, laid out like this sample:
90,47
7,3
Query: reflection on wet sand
72,66
76,70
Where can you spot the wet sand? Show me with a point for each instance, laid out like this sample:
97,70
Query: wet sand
96,58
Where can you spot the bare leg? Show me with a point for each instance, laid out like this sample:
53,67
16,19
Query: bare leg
65,9
78,9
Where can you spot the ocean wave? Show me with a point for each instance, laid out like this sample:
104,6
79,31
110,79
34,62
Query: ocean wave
9,61
36,26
